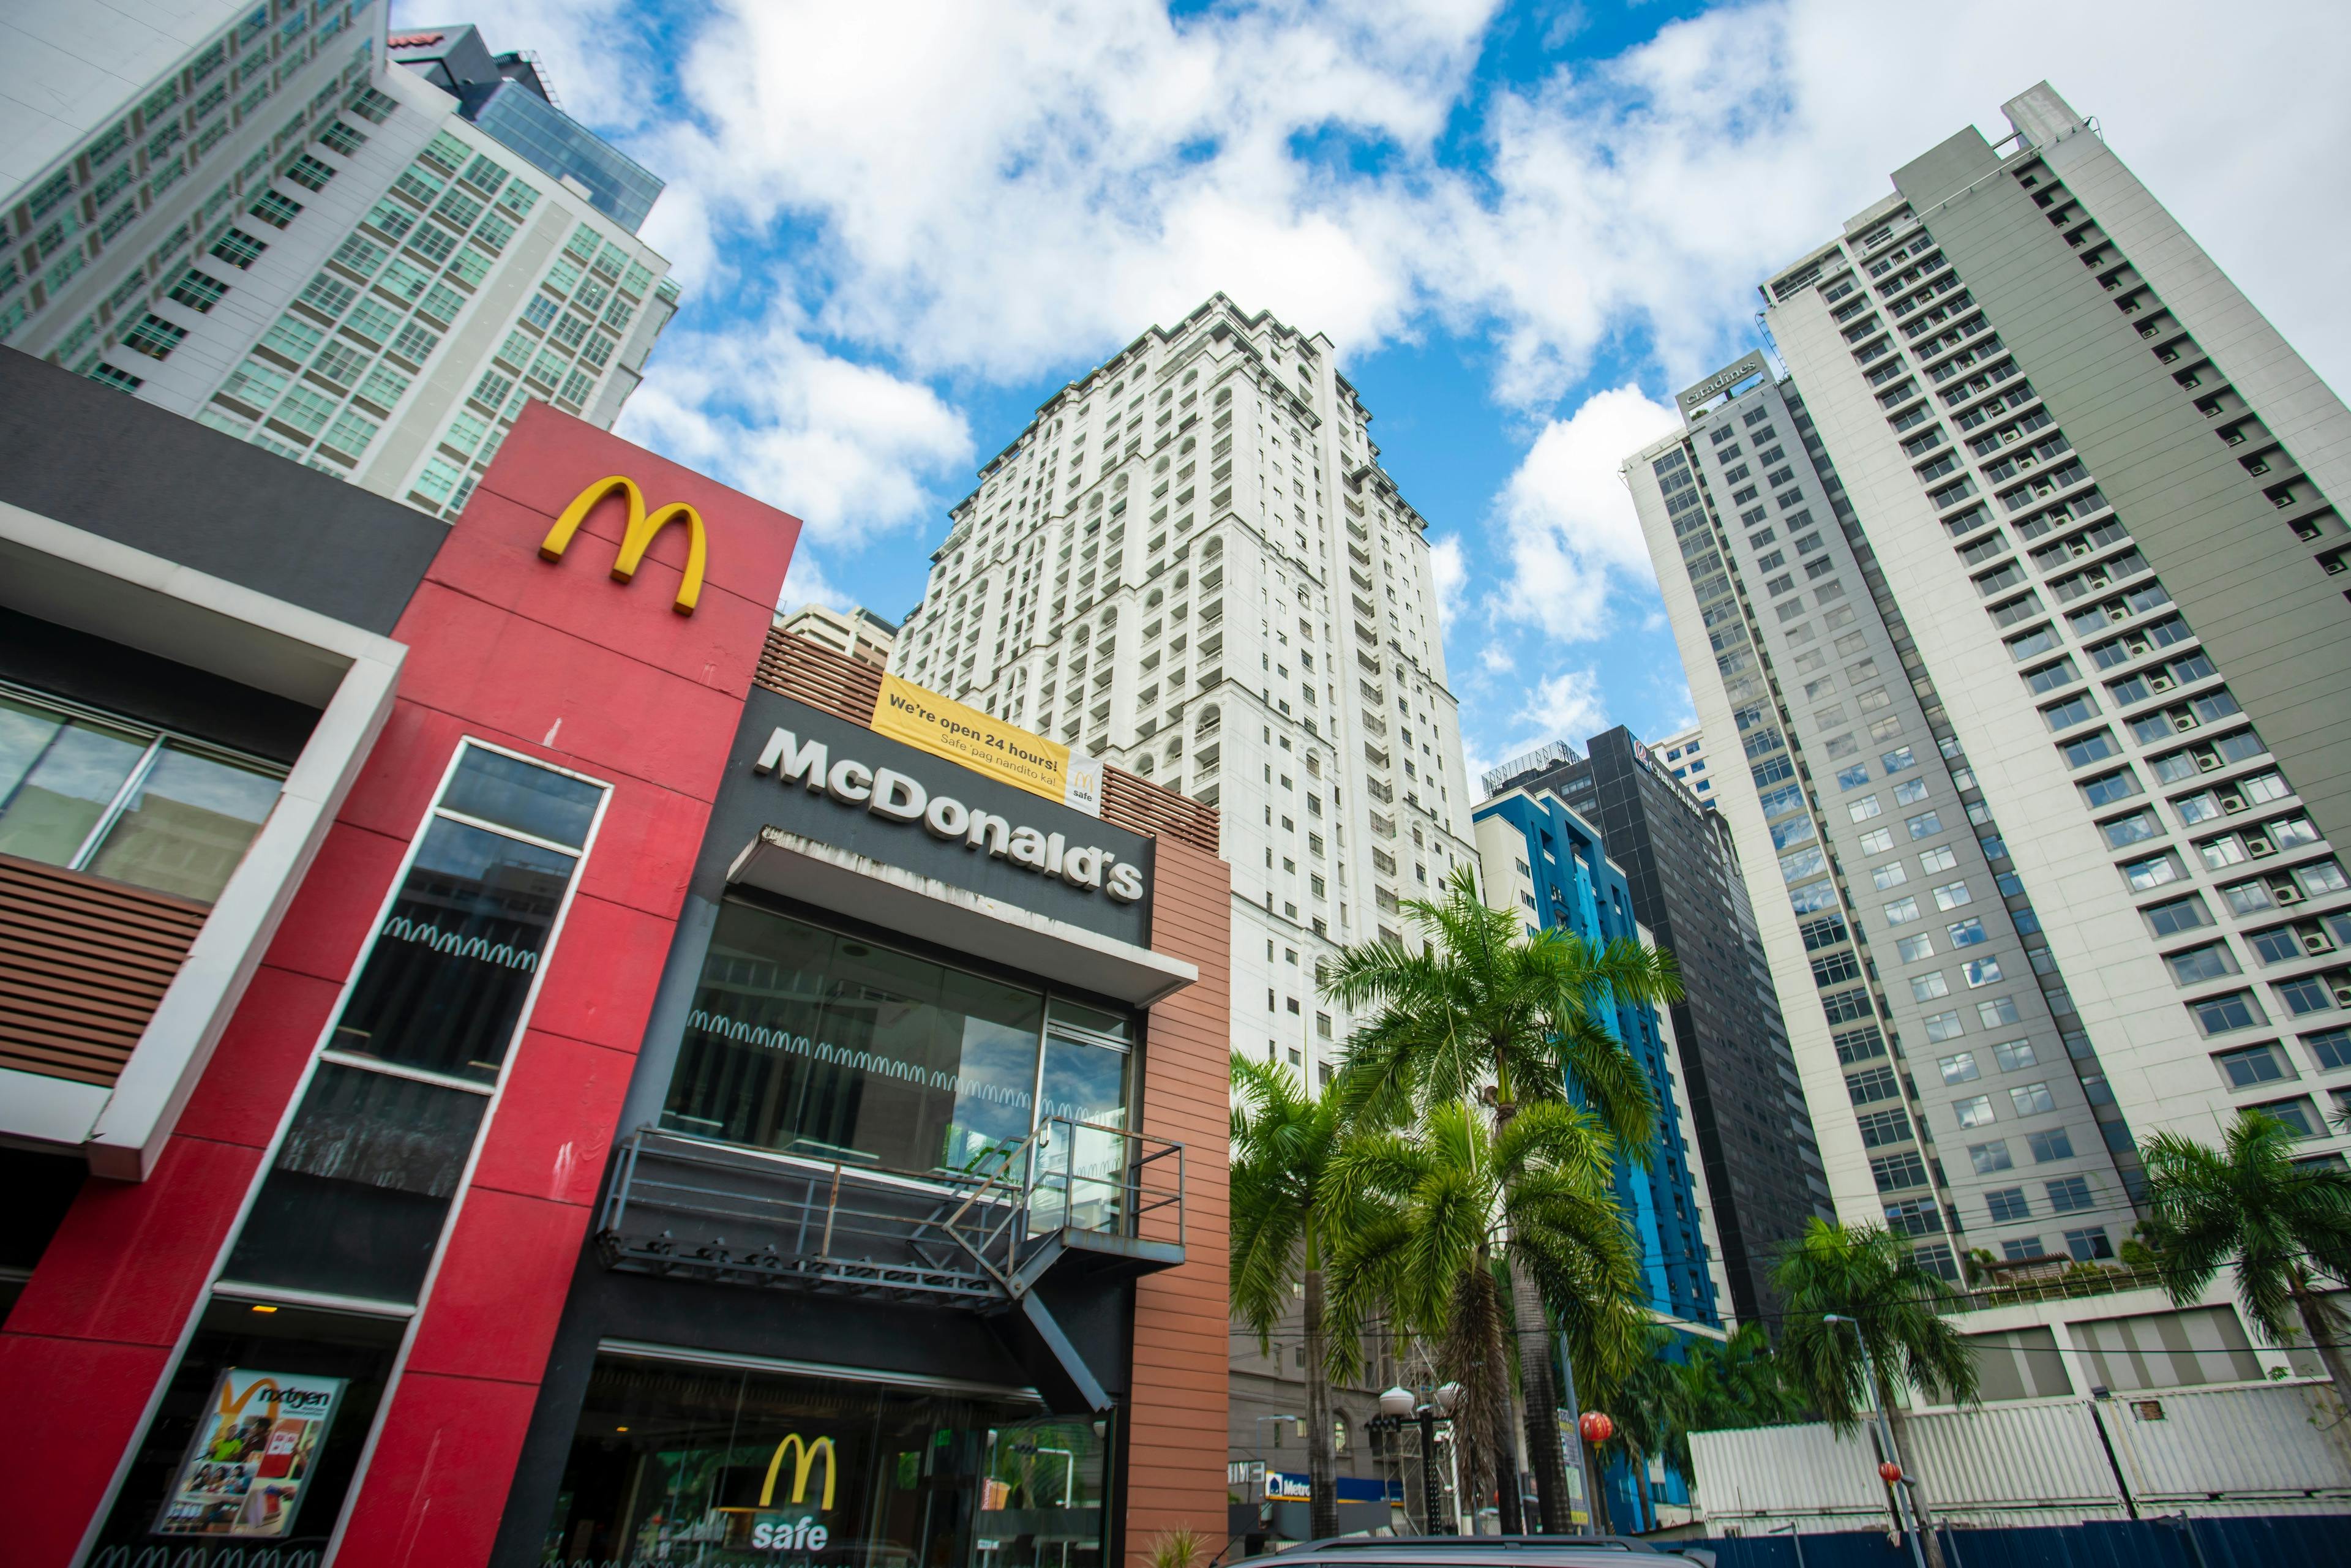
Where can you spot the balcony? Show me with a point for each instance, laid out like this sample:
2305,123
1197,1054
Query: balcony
1073,1202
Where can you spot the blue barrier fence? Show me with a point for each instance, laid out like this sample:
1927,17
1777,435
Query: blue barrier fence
2272,1541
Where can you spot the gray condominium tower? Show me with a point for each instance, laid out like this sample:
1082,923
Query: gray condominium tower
1747,1106
2019,602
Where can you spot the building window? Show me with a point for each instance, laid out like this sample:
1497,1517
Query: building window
2008,1205
2054,1144
2217,1015
105,375
238,249
814,1041
2253,1065
198,291
91,793
357,1199
2069,1194
759,1466
2089,1244
2300,1116
2331,1049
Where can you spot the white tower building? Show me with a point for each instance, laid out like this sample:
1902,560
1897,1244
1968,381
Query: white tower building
1192,564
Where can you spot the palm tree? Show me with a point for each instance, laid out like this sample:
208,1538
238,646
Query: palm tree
1869,1275
1483,1008
1282,1143
1430,1222
2285,1228
1716,1385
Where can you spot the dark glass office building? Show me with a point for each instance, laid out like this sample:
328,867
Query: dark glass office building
1754,1134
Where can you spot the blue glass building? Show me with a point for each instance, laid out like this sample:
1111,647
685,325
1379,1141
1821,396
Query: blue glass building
1550,863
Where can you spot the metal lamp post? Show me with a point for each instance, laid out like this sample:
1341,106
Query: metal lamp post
1400,1404
1885,1432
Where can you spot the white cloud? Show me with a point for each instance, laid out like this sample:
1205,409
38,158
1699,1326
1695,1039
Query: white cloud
1566,706
805,583
849,449
975,193
1568,539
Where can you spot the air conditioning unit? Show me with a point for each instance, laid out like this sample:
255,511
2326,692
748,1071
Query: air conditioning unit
2207,762
2343,996
2161,683
2183,721
2135,646
2316,942
2260,848
2286,893
2233,803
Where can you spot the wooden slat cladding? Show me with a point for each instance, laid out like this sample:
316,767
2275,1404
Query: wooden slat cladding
1177,1397
1136,803
83,962
811,673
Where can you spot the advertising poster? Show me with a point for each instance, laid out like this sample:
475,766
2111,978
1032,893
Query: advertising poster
253,1456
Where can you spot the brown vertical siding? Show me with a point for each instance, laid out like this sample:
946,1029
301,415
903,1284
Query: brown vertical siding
1177,1399
83,962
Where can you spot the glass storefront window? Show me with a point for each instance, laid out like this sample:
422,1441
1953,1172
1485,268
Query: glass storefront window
675,1464
121,800
454,962
248,1458
362,1183
819,1043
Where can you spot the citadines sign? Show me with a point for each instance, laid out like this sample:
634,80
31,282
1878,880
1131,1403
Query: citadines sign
986,744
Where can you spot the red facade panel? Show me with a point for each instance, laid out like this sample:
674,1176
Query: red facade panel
553,660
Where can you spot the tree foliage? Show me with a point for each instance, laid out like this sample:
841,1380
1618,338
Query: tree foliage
2285,1228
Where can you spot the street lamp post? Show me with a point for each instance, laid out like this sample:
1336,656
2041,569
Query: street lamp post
1885,1432
1400,1404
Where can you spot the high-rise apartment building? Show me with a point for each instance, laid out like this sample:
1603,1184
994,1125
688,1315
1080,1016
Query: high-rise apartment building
1750,1126
1192,564
2020,593
250,218
860,634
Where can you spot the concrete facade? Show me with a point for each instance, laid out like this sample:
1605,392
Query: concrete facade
1192,564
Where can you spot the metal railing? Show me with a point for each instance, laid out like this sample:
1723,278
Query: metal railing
689,1206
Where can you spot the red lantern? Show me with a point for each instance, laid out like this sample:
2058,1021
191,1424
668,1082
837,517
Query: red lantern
1595,1427
1889,1472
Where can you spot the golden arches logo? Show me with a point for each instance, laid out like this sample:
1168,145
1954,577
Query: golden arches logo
804,1459
642,529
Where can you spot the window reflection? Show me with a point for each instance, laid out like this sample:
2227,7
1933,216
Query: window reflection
675,1465
453,964
123,801
820,1043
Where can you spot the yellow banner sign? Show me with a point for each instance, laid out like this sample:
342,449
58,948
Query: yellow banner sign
985,744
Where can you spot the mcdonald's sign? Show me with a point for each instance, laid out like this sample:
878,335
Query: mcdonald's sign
804,1459
642,529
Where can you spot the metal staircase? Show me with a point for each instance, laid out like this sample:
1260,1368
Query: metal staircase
1073,1202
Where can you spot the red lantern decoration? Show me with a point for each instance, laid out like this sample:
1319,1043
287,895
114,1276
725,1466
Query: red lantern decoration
1889,1472
1595,1427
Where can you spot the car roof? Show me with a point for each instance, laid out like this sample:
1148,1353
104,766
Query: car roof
1515,1545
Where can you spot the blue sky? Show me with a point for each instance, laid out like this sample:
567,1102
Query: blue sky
899,228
